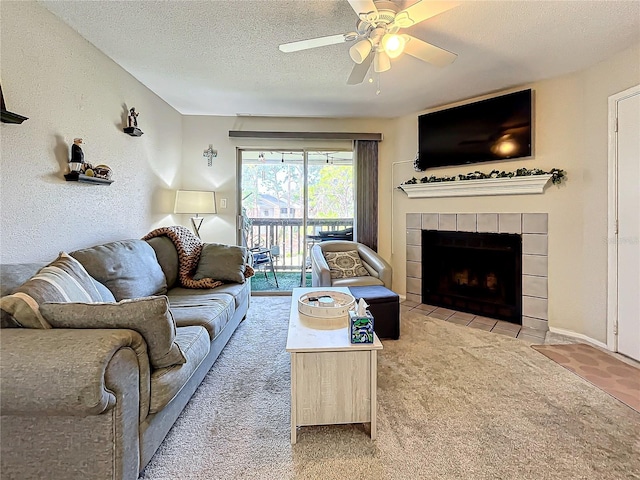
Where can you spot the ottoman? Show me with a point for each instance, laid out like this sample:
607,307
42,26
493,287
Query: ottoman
384,305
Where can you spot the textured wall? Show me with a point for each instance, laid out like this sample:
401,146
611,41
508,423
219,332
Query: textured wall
69,89
571,133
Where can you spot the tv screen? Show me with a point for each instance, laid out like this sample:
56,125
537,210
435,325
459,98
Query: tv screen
497,128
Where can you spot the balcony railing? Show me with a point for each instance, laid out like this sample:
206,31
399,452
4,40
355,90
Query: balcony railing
286,236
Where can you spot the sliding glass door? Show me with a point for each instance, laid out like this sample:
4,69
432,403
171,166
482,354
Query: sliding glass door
290,200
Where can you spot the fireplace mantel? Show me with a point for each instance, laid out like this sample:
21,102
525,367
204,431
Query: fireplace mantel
531,184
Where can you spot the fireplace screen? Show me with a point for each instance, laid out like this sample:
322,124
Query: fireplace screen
478,273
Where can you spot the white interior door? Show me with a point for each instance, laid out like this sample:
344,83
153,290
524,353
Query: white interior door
628,223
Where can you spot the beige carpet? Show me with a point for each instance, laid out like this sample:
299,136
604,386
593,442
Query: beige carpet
600,368
453,403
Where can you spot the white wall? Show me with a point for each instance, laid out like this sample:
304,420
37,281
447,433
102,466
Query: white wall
570,133
69,89
200,131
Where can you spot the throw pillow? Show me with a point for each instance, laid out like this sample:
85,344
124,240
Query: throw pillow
222,262
149,316
104,292
128,268
63,280
345,264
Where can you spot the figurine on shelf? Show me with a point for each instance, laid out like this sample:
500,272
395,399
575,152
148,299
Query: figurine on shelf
133,117
102,171
77,156
133,129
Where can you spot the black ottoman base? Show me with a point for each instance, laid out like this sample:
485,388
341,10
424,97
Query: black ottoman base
384,305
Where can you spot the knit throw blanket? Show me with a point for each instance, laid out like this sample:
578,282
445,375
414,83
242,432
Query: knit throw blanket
189,248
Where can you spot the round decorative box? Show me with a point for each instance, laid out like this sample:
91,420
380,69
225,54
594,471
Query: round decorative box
324,304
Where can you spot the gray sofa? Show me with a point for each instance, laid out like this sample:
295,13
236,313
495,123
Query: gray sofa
87,403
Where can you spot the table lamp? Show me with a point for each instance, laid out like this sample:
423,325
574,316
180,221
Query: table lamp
195,202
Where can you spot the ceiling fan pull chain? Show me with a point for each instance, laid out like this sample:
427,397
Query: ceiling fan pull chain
378,90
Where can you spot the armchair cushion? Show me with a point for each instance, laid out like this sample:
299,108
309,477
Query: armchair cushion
222,262
150,317
345,264
63,280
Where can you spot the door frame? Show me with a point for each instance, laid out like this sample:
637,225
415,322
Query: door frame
612,217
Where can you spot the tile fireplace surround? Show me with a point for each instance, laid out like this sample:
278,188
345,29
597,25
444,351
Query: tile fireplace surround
533,227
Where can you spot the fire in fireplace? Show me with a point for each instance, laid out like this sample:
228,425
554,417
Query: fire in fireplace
479,273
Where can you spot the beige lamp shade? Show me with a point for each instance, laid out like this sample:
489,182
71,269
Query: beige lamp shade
195,202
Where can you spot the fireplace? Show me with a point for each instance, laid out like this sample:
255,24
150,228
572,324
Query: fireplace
531,227
479,273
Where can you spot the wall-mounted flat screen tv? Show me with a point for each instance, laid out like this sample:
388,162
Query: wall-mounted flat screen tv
497,128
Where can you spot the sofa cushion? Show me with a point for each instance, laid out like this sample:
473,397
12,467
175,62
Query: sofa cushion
167,256
63,280
345,264
192,296
166,383
356,281
104,292
13,275
238,291
222,262
149,316
212,314
128,268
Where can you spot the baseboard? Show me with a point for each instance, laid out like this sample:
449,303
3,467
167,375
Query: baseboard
402,297
569,333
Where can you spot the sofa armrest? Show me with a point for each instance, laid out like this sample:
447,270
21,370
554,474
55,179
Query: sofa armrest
377,263
320,273
61,371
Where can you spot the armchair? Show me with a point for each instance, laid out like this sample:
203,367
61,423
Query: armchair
380,272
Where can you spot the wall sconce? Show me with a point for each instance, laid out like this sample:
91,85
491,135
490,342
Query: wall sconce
210,154
191,201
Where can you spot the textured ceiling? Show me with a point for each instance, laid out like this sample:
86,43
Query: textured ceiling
221,57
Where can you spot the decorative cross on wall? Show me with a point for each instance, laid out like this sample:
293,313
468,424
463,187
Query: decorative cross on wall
210,154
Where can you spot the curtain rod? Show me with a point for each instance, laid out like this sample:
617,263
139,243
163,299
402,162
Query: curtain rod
306,135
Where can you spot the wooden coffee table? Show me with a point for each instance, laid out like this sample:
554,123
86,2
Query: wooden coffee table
332,380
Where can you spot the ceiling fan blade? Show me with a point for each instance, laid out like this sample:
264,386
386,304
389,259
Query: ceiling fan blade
313,43
422,10
363,7
429,53
360,71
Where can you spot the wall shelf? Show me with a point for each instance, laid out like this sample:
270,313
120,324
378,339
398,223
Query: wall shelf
133,131
7,116
80,177
526,185
10,117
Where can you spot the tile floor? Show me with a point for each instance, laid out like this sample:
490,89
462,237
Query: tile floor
475,321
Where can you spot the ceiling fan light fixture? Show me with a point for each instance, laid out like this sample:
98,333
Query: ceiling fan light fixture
381,62
506,146
360,51
393,44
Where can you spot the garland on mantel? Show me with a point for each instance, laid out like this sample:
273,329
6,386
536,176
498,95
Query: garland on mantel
556,176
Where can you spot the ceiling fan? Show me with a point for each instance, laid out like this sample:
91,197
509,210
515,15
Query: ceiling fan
377,38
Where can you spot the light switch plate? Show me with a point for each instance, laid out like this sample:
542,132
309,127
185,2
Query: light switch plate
223,203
